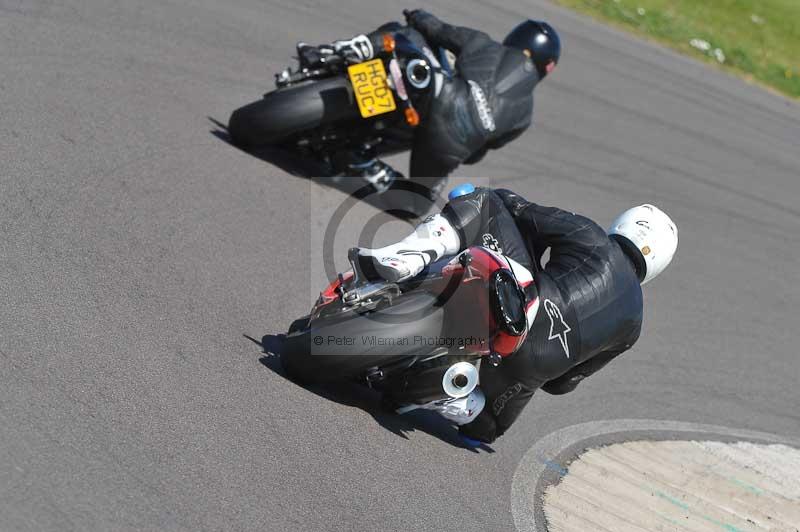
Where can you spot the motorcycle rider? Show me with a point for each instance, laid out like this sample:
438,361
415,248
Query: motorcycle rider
589,295
488,103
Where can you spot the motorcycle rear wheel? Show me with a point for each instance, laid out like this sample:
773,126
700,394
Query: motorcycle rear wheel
285,112
312,356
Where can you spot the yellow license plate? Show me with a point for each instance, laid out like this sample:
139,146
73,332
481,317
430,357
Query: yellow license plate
372,91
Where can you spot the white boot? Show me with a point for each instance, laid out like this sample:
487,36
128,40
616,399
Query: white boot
459,411
356,50
464,410
433,239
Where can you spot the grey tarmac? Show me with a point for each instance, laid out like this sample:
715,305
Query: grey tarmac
138,249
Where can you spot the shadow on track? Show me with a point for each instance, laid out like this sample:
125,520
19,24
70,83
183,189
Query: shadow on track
283,159
368,400
413,197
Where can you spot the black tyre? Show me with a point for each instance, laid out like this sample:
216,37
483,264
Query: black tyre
298,324
286,112
314,356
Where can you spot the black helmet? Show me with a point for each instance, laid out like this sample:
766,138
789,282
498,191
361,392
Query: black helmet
540,41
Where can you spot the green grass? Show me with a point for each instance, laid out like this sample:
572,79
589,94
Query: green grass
757,38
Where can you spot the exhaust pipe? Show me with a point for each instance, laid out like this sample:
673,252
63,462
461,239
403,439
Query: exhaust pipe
453,382
460,379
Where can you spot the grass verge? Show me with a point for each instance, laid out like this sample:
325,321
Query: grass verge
759,39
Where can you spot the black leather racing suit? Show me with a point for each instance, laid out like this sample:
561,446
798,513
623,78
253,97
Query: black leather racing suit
590,300
488,103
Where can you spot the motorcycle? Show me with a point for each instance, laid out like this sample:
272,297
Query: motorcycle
420,341
336,108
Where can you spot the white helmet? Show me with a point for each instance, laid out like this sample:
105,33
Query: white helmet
649,237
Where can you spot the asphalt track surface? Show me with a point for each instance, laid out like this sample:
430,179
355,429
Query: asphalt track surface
138,248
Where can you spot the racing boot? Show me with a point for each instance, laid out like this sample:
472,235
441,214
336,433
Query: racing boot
460,411
375,172
355,50
433,239
464,410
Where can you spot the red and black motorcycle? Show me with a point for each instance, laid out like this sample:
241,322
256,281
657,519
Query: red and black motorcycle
423,339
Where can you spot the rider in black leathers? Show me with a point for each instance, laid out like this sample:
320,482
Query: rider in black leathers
488,103
589,294
590,301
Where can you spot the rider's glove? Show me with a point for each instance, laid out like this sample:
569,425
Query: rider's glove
356,50
415,16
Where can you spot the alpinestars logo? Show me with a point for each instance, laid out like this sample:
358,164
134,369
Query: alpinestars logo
484,111
558,327
489,241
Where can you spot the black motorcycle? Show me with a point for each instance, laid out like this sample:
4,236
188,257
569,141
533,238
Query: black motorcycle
336,108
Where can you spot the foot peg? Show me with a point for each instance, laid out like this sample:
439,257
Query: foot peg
377,173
